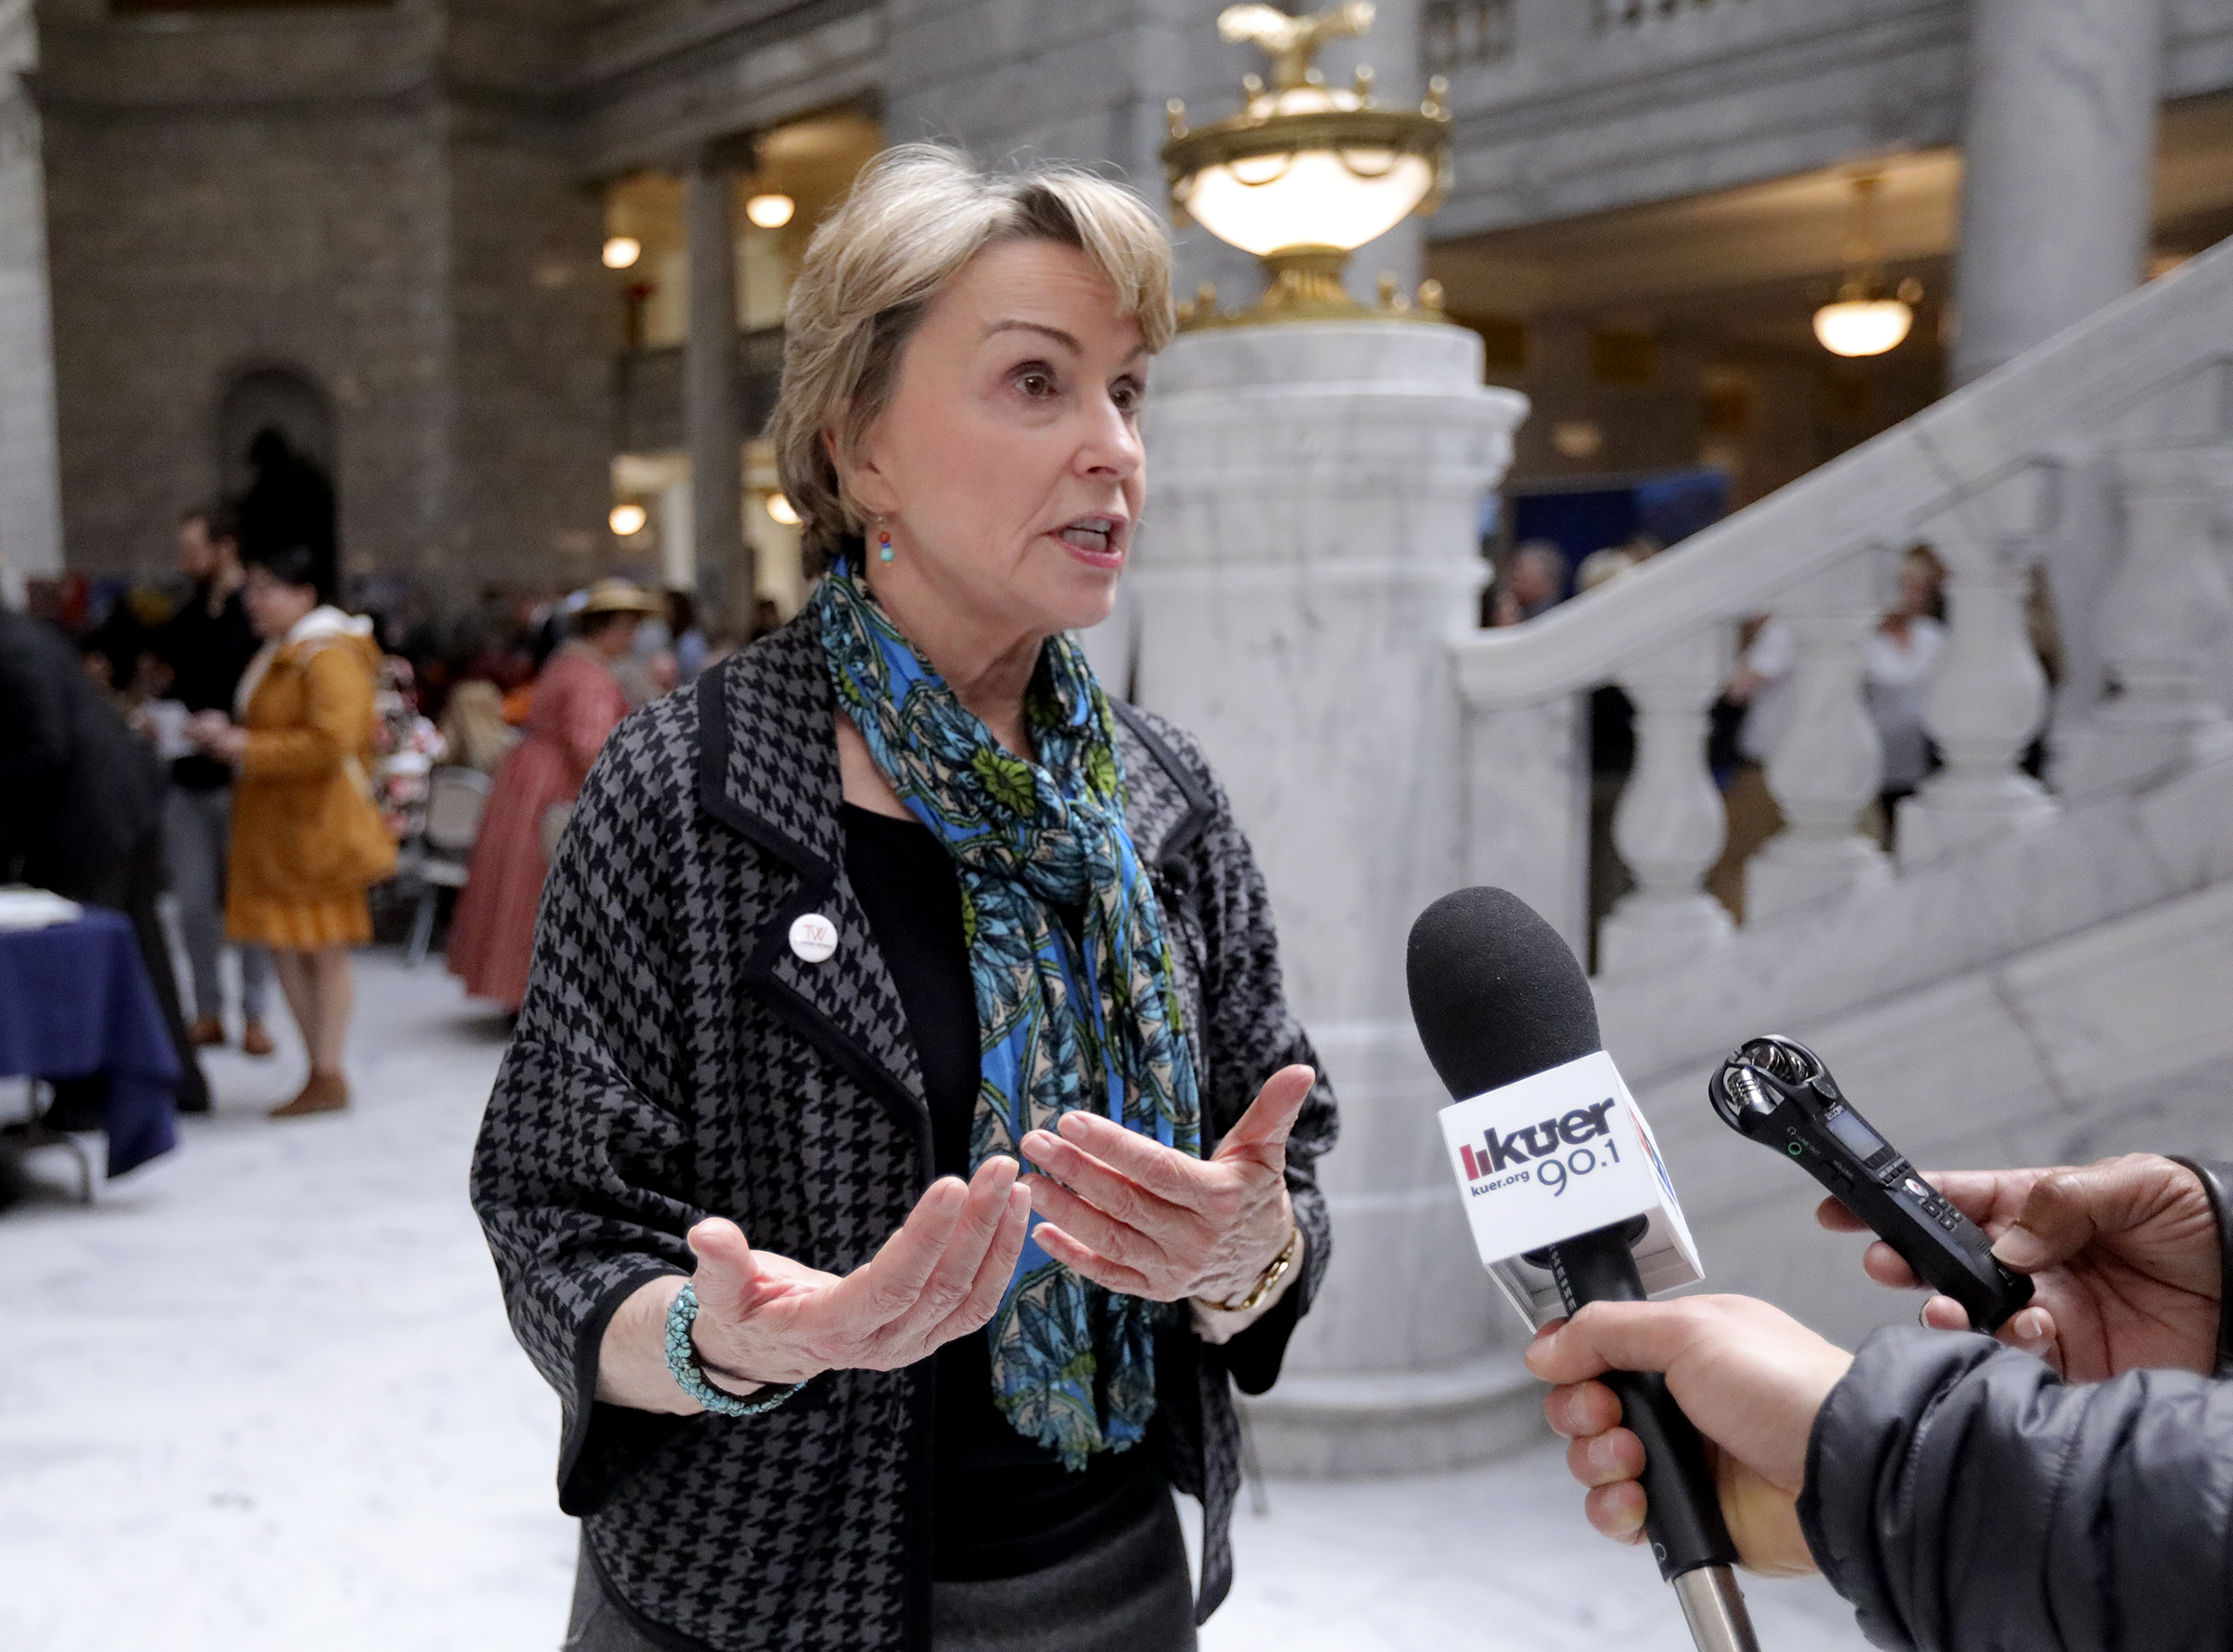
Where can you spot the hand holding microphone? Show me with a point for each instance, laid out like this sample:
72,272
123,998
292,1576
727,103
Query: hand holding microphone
1558,1171
1747,1375
2128,1263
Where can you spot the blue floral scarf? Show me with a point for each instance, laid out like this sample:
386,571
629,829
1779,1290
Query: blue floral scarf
1091,1023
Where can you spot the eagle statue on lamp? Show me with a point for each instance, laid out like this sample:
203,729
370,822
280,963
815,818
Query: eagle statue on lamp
1293,42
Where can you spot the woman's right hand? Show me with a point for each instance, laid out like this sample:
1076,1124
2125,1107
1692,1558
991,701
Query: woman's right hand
766,1319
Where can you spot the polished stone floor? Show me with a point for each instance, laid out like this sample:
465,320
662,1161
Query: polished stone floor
261,1396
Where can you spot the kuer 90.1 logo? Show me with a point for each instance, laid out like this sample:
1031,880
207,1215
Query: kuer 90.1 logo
1538,1148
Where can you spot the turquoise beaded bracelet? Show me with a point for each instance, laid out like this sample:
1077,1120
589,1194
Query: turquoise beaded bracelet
682,1360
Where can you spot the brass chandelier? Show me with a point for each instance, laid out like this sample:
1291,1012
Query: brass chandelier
1304,174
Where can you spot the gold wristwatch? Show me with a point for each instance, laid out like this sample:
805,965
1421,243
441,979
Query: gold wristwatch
1274,1272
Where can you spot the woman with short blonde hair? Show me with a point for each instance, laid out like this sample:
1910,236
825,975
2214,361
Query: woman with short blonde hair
901,948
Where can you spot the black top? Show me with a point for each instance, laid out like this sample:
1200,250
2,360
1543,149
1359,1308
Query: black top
206,654
1005,1504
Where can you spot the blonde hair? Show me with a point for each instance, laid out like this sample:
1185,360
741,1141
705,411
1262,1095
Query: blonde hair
917,214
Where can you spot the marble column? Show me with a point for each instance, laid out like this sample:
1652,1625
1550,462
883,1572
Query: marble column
2058,158
31,499
1306,557
712,424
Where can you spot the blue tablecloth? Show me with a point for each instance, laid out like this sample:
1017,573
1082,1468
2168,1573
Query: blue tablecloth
76,999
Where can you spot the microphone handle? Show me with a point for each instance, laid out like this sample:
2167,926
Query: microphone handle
1688,1537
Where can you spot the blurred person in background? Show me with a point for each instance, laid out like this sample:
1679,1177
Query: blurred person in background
578,702
473,730
685,636
648,668
208,644
1758,693
81,813
1903,654
1533,581
290,506
120,654
1600,566
307,839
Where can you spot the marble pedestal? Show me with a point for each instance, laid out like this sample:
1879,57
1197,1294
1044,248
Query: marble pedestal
1309,550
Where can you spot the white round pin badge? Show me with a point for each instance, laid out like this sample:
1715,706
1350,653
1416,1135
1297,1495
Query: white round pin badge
813,937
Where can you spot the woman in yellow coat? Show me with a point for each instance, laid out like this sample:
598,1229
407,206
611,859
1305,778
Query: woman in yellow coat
307,840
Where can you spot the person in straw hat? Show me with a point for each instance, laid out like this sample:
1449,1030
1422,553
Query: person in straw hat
578,702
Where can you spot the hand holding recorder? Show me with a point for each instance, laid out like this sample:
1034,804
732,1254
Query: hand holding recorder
2122,1255
2128,1265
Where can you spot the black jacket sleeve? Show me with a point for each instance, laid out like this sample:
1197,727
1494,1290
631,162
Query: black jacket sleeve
1965,1500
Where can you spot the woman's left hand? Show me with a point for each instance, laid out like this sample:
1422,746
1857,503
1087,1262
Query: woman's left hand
1145,1220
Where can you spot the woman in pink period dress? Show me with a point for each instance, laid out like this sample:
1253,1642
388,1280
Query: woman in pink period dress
578,702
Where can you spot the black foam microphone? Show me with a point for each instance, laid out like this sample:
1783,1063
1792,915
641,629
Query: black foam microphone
1498,997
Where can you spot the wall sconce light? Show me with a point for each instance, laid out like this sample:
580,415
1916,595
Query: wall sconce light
769,212
627,519
1577,439
779,510
622,251
1303,175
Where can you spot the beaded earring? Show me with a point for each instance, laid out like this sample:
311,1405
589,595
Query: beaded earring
884,551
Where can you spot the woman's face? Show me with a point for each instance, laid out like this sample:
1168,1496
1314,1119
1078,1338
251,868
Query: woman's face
1009,461
275,606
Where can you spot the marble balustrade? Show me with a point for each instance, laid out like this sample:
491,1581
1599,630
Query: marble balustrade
1982,477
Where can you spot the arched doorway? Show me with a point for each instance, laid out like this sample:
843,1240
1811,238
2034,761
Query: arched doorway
275,456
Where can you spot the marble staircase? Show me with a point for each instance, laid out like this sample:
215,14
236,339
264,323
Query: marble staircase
2034,977
2043,972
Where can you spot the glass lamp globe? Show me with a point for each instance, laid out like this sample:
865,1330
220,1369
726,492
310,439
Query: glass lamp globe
622,251
1862,327
1339,196
627,518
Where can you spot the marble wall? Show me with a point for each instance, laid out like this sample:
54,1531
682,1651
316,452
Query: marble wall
1585,115
243,193
31,525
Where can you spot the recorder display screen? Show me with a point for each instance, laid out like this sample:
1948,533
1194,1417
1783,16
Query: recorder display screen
1847,1126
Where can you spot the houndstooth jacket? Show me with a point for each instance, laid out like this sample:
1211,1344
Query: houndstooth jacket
675,1059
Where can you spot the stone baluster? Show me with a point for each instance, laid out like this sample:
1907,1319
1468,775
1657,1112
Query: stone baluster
1827,765
1527,808
1988,696
2167,604
1670,824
